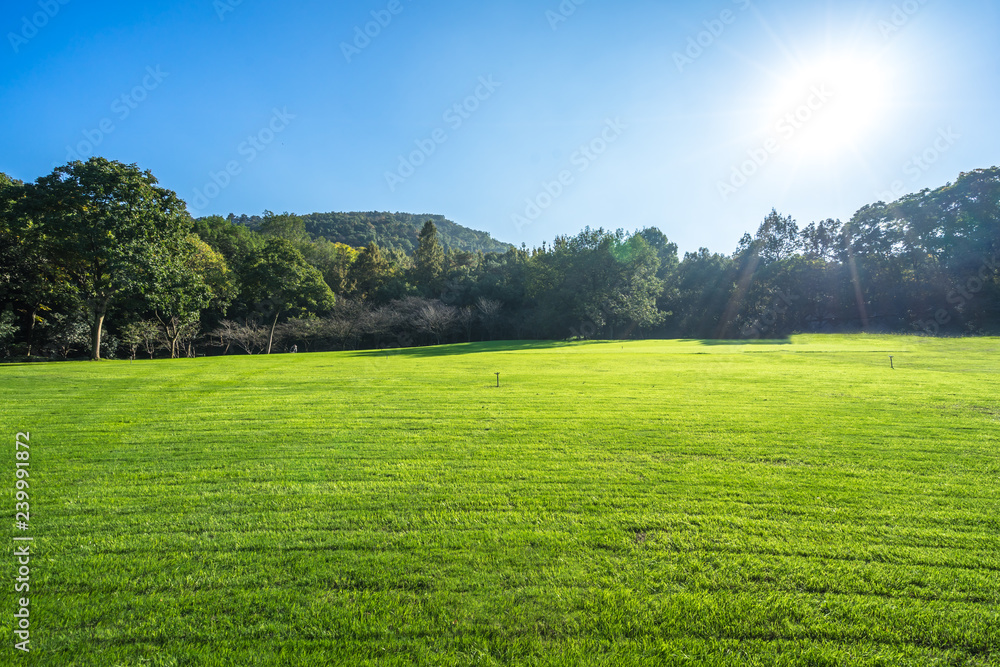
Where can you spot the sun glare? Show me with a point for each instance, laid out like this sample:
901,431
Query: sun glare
831,106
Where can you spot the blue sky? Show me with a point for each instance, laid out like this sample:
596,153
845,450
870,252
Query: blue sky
527,119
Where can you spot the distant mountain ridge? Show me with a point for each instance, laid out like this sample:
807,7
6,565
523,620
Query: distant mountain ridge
388,230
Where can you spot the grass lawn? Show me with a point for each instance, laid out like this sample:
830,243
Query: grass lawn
656,503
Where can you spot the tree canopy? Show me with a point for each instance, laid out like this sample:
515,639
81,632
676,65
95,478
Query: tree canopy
100,240
112,230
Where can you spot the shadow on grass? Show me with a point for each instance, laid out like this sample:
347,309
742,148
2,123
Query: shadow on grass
11,363
522,345
471,348
770,341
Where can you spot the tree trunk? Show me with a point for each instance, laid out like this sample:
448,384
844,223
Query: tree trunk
271,339
171,332
31,329
100,310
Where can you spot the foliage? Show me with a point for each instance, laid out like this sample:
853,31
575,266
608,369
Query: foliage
111,229
428,260
67,333
928,263
142,334
392,231
369,273
8,330
278,281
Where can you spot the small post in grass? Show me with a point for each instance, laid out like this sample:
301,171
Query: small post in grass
498,379
891,365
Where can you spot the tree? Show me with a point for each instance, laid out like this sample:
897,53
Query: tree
347,322
369,273
705,284
235,242
333,260
303,331
31,282
467,320
142,333
280,281
821,240
635,287
67,332
11,192
200,280
665,251
428,260
777,238
285,226
489,313
437,319
7,330
597,281
250,335
112,230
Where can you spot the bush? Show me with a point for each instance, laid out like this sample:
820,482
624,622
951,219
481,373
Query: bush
8,330
66,334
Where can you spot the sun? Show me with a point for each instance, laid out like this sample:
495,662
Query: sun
829,106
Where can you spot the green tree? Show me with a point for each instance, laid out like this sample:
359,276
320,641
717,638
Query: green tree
7,330
705,284
369,273
11,192
142,333
113,231
333,260
284,226
428,260
31,283
280,282
235,242
201,281
666,252
635,286
595,282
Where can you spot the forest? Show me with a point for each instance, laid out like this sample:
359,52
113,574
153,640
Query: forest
98,260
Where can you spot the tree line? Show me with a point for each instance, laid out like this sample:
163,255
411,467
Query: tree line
96,258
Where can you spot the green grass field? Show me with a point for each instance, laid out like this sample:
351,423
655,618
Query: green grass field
652,503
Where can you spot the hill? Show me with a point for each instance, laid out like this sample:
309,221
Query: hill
388,230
